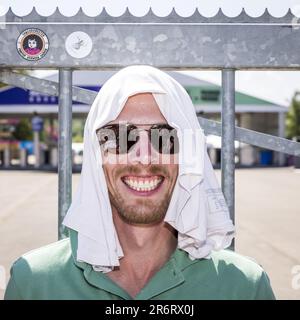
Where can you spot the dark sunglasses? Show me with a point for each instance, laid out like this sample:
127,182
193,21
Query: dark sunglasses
120,138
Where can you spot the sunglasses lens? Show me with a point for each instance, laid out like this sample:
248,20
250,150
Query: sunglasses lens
107,139
164,139
117,139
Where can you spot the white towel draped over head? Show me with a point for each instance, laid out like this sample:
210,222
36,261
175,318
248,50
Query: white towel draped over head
197,209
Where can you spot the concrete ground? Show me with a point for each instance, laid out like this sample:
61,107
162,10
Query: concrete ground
267,220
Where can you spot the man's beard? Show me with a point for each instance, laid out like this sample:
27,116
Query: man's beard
145,211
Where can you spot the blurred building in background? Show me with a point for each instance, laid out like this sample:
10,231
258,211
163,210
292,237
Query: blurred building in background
18,107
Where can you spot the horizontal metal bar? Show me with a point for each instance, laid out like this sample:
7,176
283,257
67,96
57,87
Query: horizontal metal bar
210,127
45,86
255,138
239,46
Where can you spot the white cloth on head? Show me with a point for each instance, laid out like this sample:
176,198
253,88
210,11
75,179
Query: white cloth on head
197,209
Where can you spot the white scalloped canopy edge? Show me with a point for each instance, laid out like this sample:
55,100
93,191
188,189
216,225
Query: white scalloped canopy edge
138,8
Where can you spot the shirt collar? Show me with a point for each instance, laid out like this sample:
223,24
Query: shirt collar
169,276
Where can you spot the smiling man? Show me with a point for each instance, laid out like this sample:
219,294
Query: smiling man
140,190
149,220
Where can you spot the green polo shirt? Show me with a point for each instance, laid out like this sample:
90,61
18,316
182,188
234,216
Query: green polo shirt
52,272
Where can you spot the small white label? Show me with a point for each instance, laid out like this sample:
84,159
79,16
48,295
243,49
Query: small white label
216,201
79,44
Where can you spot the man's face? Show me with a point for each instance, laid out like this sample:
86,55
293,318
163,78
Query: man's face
140,188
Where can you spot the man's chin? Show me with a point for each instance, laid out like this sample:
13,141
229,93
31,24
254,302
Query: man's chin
141,218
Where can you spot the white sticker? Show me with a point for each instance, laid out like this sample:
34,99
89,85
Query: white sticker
79,44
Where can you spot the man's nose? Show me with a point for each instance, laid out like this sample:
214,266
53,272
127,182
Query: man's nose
143,151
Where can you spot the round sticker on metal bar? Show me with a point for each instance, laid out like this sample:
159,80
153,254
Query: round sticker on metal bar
32,44
79,44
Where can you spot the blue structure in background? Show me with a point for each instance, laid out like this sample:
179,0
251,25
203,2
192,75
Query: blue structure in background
22,97
266,157
37,124
28,145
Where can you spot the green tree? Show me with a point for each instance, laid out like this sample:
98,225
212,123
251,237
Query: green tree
23,130
293,118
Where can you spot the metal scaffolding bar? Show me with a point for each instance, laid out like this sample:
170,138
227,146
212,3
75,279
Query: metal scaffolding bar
254,138
64,147
281,133
228,136
194,42
45,86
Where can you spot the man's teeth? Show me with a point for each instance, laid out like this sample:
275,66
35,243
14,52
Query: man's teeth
145,185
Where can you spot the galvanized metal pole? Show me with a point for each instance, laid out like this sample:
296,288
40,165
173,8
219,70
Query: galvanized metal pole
281,133
37,151
228,134
64,146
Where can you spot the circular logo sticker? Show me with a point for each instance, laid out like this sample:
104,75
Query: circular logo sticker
32,44
79,44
